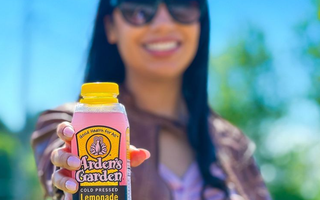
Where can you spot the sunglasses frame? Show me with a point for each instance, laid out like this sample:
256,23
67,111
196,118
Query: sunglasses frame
117,3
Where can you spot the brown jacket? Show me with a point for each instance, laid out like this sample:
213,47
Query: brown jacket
235,152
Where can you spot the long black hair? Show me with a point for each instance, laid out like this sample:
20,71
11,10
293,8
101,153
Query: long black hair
105,65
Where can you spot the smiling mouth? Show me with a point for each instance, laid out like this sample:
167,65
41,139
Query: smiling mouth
162,46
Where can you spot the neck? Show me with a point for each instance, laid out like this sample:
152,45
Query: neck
160,97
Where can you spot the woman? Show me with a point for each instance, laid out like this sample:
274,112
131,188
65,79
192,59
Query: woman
157,51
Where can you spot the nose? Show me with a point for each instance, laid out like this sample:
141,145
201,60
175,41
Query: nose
163,19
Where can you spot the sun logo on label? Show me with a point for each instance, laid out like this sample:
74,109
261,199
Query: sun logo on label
98,146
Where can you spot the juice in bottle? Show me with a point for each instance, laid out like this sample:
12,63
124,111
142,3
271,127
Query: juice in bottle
102,144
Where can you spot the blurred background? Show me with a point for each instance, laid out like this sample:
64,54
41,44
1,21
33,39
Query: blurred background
264,78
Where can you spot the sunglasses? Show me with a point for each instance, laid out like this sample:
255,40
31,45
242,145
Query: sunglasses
141,12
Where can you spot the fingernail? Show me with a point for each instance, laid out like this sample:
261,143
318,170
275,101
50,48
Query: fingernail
134,147
147,154
73,161
68,131
70,185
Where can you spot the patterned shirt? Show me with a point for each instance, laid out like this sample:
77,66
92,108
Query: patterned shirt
189,187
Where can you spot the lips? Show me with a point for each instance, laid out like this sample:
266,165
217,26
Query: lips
163,47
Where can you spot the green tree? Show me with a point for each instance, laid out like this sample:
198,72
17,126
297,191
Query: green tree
8,145
244,89
309,32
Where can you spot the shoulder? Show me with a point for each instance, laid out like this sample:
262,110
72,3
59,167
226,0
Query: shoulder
48,120
67,107
60,113
230,139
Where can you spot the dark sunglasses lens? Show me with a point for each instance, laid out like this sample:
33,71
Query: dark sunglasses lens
185,11
137,13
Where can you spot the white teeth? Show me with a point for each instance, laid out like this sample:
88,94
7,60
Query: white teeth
163,46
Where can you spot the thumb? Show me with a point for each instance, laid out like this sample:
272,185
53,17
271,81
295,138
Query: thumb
138,156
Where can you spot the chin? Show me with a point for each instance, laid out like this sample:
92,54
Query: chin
165,72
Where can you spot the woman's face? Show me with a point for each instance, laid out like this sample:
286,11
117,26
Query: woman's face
161,49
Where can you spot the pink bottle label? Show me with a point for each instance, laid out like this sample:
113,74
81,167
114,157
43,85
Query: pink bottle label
101,142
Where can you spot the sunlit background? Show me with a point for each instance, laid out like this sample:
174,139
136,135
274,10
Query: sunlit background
264,78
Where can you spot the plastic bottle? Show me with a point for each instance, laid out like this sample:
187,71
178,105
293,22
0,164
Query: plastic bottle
102,144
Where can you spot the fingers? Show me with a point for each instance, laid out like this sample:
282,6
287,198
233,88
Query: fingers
62,158
65,131
67,196
62,180
138,156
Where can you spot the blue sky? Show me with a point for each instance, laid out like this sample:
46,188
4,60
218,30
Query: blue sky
44,44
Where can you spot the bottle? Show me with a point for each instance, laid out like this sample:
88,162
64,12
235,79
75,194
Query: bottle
102,142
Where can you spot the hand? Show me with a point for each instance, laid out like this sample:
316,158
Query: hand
62,157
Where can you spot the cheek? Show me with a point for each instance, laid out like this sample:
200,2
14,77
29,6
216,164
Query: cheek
130,50
191,43
128,38
192,34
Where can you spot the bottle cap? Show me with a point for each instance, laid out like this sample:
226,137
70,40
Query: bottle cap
99,93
